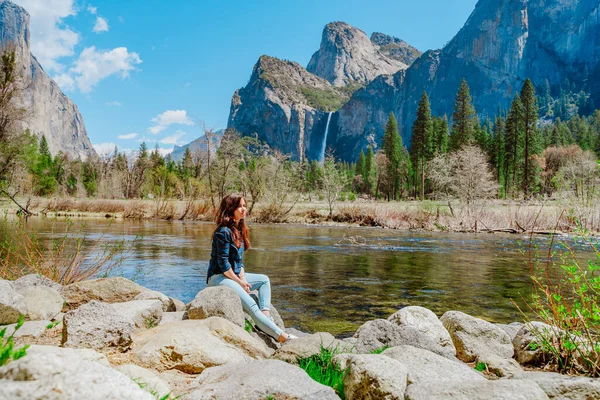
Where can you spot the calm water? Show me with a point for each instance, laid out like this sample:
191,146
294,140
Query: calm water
336,278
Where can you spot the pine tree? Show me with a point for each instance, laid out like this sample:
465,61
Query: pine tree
422,140
44,170
595,129
369,171
443,136
497,153
360,169
530,139
392,147
464,118
513,144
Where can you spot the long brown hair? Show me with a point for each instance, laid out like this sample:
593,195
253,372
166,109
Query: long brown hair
224,217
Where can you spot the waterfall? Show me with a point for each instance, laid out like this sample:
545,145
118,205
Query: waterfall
322,157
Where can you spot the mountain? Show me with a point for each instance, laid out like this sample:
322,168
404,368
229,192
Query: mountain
502,43
395,48
347,55
198,146
50,111
290,108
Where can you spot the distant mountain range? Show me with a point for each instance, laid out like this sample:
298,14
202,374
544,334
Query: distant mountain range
352,83
198,146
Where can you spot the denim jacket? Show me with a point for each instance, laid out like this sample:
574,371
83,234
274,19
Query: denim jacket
224,254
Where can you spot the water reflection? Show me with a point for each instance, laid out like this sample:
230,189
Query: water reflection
322,280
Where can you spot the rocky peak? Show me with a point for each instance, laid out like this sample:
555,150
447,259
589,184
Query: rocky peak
395,48
347,55
50,112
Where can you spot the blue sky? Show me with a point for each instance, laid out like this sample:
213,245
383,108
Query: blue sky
158,70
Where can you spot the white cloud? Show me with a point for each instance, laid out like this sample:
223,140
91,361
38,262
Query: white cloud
128,136
65,82
164,152
104,149
167,118
51,39
101,25
92,10
173,139
114,103
94,65
146,140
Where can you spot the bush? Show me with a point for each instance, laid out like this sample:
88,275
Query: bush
322,369
567,297
7,346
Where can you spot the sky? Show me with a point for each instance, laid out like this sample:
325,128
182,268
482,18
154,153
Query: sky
159,71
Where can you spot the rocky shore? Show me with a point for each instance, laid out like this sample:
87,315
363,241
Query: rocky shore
114,339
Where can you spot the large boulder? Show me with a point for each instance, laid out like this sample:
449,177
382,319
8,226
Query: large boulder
501,367
426,367
511,328
310,345
42,302
174,316
474,337
41,375
419,323
33,280
217,301
380,333
146,379
97,325
178,304
371,376
528,343
107,290
31,329
258,380
557,386
54,351
480,390
12,304
145,314
167,303
194,345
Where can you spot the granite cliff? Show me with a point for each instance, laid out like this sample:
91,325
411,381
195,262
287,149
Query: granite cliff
49,111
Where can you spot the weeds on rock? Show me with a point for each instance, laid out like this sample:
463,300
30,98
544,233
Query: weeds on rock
248,326
7,346
379,350
321,368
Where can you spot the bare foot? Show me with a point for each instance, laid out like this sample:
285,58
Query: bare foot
266,312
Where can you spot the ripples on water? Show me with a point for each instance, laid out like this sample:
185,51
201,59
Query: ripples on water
336,278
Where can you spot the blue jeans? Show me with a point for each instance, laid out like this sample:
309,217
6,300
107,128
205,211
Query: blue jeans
258,282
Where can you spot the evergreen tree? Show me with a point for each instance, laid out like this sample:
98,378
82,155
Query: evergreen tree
498,150
464,118
530,139
369,171
513,144
392,147
44,170
360,169
422,141
595,129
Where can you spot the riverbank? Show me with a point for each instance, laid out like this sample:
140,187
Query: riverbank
434,216
113,338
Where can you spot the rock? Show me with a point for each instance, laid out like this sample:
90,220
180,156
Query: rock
174,316
395,48
42,302
480,390
32,329
145,314
33,280
217,301
178,381
528,346
12,304
380,333
107,290
146,379
49,111
191,346
296,332
310,345
419,322
501,367
97,325
178,304
256,380
474,337
68,377
511,329
372,376
60,352
167,303
557,386
425,367
347,55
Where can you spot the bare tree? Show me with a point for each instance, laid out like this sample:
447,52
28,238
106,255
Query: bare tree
332,182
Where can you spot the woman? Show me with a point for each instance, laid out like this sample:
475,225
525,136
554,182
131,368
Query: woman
229,241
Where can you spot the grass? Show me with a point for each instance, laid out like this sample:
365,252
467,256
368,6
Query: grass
326,100
379,350
248,326
7,346
321,368
481,367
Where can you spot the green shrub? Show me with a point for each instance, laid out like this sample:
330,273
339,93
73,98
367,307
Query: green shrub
322,369
351,197
326,100
481,367
7,348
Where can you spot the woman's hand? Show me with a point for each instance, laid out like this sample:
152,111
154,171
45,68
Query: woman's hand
245,285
